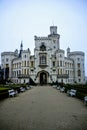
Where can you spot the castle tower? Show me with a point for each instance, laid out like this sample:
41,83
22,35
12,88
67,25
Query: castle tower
53,29
54,37
68,51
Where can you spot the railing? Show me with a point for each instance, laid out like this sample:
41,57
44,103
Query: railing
23,76
63,76
43,65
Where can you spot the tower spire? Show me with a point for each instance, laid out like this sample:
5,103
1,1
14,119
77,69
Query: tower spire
21,46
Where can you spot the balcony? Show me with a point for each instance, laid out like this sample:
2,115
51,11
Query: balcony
62,76
54,68
23,76
43,66
32,68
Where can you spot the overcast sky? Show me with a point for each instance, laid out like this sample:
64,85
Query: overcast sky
22,19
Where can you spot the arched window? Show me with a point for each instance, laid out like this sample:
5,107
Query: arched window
42,47
60,63
53,63
79,72
43,60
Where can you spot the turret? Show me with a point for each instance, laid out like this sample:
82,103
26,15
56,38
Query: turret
53,29
21,49
21,46
68,51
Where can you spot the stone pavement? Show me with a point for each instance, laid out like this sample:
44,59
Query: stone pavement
43,108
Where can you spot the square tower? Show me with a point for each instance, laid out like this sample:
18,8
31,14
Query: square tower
53,29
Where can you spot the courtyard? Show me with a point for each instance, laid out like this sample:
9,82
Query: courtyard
43,108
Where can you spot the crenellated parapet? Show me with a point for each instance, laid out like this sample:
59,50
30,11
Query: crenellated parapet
76,53
41,38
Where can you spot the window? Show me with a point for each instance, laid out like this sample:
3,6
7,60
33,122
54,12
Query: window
24,80
42,47
68,72
25,71
60,63
79,73
25,56
83,65
7,65
25,63
70,65
32,64
60,55
6,59
43,59
58,71
78,59
79,80
53,63
54,41
19,65
78,65
19,71
65,64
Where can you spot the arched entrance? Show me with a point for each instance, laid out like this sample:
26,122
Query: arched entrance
43,78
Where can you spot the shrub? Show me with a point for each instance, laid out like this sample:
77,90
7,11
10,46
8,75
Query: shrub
3,93
80,95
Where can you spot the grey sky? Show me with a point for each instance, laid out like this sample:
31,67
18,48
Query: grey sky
22,19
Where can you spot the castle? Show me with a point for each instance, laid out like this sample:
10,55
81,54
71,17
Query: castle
48,64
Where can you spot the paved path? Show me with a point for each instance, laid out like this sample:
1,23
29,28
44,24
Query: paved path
43,108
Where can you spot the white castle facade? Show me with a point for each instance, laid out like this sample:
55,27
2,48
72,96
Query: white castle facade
48,64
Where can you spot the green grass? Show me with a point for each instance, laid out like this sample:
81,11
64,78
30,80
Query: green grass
4,89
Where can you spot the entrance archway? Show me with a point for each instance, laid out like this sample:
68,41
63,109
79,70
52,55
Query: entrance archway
43,78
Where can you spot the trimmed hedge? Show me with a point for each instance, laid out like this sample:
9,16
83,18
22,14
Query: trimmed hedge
3,89
79,88
4,93
80,95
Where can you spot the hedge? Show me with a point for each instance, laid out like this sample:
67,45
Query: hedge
80,95
4,95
